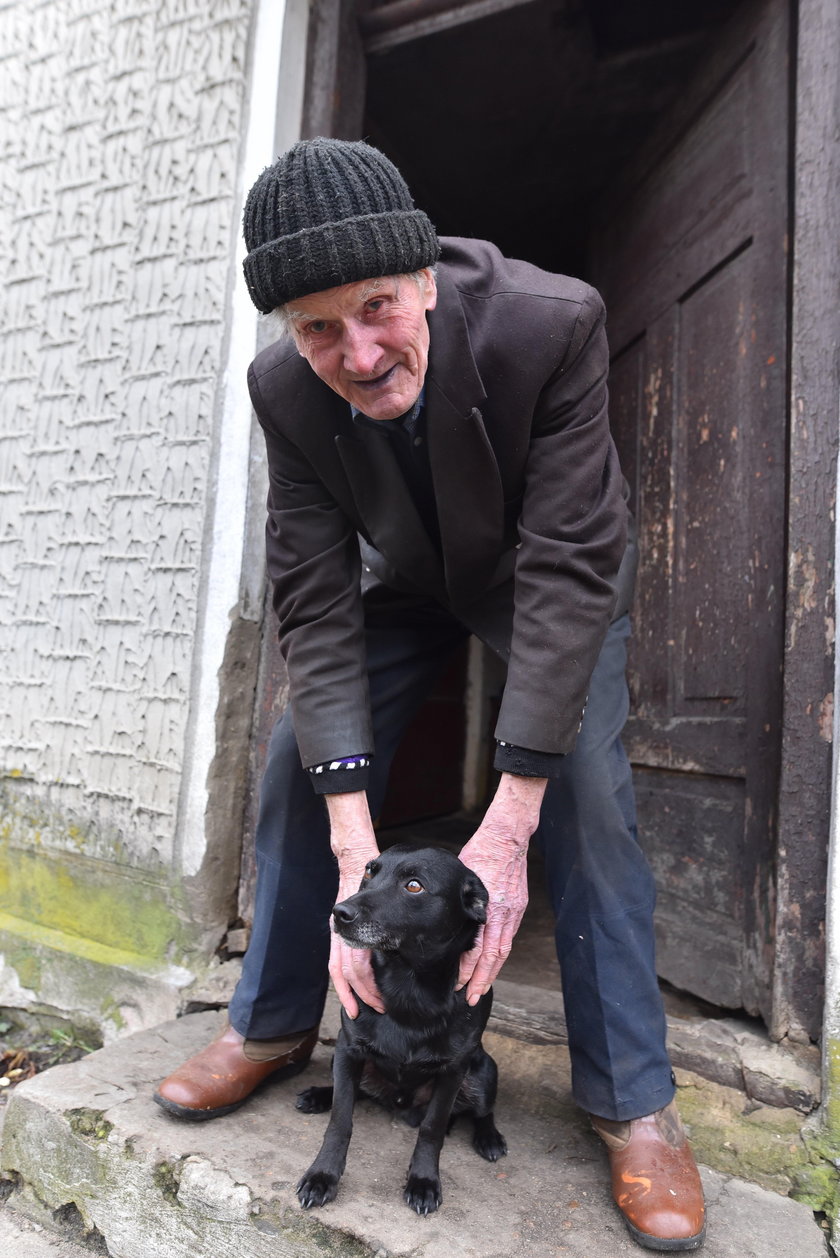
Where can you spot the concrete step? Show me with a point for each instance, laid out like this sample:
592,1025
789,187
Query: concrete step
21,1238
85,1148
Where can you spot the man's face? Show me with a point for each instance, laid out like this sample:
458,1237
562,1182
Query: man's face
368,341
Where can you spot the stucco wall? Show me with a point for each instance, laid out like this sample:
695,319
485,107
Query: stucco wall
121,127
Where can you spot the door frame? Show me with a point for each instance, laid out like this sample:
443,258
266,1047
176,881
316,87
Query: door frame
806,808
334,104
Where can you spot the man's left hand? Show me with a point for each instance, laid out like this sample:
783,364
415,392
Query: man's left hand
498,853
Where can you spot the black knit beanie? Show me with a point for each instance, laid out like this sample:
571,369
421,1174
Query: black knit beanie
330,212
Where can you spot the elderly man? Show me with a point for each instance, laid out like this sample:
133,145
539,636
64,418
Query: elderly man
440,464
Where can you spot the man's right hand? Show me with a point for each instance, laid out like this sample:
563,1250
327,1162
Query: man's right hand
354,844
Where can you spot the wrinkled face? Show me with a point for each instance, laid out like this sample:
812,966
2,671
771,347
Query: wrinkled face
368,341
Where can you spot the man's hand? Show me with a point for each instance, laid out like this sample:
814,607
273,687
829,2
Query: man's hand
498,852
354,844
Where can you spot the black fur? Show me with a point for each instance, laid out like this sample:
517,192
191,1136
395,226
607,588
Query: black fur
418,910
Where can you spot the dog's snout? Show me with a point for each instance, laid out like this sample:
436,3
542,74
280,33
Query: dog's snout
344,914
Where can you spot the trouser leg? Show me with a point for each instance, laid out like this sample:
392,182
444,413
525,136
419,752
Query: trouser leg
284,973
602,892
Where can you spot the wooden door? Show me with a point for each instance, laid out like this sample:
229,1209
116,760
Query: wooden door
690,254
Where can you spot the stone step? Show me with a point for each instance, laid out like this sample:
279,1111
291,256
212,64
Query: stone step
85,1149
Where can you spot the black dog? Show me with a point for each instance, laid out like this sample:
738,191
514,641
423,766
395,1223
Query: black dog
418,910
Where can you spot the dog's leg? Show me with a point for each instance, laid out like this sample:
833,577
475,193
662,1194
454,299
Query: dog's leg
488,1141
422,1188
320,1183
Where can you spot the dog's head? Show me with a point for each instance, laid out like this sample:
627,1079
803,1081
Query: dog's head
419,901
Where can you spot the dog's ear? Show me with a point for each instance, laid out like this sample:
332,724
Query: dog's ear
474,897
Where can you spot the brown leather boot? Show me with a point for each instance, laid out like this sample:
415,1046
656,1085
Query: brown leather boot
222,1076
655,1181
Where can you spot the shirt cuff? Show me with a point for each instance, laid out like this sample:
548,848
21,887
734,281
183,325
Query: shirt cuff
340,777
526,763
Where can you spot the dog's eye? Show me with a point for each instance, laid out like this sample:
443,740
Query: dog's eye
367,875
414,886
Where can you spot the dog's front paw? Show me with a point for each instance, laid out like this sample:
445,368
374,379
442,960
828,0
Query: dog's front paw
314,1100
317,1188
491,1147
487,1140
422,1194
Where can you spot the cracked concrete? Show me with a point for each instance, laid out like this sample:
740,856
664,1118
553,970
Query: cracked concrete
20,1238
148,1186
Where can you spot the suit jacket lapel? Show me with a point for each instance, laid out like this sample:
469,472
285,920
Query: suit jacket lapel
468,488
384,504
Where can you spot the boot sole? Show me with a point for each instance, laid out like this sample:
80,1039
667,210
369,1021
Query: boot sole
191,1115
662,1244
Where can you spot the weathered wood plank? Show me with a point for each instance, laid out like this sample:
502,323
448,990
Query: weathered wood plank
335,72
404,20
692,263
805,790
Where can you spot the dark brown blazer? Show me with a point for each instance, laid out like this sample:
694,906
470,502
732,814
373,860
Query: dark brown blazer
528,493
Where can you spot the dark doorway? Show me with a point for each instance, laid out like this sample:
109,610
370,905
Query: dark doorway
513,126
644,148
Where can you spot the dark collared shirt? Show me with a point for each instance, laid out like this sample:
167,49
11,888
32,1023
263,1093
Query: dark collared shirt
407,434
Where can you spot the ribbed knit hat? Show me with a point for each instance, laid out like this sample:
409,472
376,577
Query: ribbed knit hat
330,212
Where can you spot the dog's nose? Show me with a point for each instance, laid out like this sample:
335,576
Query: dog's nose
343,914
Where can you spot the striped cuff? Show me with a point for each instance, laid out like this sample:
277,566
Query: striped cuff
340,777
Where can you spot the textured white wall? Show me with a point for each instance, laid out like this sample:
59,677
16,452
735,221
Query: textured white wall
120,135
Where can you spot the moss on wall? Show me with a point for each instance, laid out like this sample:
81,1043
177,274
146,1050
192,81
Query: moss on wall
103,904
93,940
817,1182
